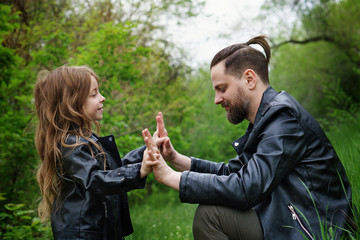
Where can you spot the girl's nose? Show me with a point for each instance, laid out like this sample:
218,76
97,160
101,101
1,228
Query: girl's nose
102,98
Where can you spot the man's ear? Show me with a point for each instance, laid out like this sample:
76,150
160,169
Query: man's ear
251,78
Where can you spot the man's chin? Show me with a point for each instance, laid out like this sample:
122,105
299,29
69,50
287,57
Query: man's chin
234,120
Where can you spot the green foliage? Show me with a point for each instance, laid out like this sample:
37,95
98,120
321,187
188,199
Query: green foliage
345,138
137,73
346,141
211,134
7,56
308,77
321,56
16,222
17,154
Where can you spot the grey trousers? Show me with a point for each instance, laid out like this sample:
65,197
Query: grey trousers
223,223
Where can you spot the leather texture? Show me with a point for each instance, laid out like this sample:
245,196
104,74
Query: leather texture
284,159
93,202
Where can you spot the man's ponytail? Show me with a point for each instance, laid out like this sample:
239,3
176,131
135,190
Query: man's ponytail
261,40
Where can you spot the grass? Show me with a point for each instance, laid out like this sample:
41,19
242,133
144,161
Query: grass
162,216
346,142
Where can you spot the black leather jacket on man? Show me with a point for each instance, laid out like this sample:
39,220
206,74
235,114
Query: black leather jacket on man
93,203
286,170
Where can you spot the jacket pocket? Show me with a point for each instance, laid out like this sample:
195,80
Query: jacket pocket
295,217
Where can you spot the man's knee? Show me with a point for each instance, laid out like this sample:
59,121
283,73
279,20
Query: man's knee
204,214
205,223
218,222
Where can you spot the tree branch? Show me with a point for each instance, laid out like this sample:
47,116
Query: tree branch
305,41
353,59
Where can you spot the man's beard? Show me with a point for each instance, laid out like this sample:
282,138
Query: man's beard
238,110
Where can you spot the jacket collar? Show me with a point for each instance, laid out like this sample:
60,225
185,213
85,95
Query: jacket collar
94,137
268,95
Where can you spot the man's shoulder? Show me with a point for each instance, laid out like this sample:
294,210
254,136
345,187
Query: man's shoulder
282,101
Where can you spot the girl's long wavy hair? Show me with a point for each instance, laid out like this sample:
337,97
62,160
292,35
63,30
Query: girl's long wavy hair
59,99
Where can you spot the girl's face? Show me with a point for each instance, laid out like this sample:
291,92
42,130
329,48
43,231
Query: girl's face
93,105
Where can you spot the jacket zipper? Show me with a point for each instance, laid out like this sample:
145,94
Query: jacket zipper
105,209
296,217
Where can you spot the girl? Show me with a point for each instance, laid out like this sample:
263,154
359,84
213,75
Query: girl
82,179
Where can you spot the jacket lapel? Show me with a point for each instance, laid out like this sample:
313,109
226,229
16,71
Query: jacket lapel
109,144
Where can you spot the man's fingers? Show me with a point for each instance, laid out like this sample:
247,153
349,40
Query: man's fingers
160,141
167,143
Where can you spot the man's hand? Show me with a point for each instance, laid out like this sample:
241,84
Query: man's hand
165,146
163,173
160,126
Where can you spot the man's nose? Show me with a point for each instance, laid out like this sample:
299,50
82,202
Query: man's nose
218,98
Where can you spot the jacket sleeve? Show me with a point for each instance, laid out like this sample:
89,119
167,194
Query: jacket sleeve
135,156
89,173
279,145
219,168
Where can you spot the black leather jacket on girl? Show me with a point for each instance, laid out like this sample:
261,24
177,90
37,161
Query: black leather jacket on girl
93,202
286,169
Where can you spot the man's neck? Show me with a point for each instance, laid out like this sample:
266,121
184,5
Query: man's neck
255,102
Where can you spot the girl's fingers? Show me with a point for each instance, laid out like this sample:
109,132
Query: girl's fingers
152,157
148,146
152,163
146,134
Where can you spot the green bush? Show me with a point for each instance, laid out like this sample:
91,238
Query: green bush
17,222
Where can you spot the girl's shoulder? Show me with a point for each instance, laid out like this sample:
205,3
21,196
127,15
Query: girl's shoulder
75,139
75,143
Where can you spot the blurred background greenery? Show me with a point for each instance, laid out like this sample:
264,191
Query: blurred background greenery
316,58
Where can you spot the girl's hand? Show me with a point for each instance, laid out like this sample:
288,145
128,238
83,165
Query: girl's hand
161,170
149,160
148,163
163,173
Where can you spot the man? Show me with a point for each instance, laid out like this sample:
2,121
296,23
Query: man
286,182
